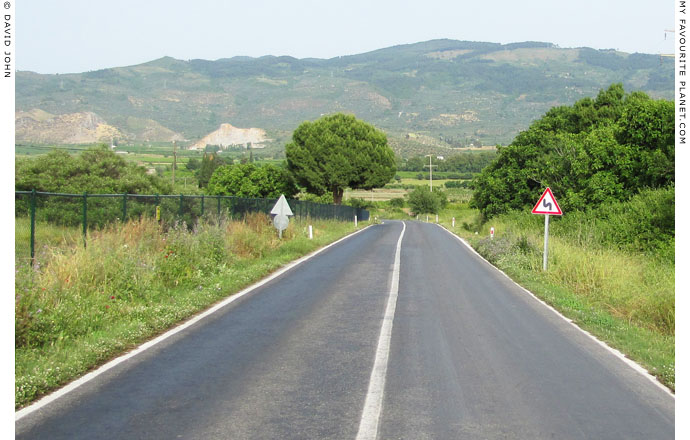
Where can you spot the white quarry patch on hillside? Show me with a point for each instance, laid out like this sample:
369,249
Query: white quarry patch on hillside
228,136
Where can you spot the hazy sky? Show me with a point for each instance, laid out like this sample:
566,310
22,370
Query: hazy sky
80,35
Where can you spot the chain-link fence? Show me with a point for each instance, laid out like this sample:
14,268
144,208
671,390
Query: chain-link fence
35,211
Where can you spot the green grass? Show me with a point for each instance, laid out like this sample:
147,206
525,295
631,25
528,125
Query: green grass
47,235
83,306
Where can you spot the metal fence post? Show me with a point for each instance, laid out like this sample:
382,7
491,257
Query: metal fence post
84,216
202,205
181,205
124,207
33,226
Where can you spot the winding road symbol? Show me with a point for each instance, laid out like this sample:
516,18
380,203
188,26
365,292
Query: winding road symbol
547,204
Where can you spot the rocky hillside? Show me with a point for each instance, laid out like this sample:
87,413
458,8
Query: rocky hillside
38,126
449,93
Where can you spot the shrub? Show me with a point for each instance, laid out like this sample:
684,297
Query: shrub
423,202
325,199
645,223
397,202
359,203
249,180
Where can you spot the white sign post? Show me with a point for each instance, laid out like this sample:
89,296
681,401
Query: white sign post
281,210
547,205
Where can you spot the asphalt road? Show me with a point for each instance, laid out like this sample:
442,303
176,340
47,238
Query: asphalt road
471,356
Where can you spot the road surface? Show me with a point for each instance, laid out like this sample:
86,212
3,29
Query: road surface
469,355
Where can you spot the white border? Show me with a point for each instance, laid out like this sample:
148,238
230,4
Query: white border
635,366
7,261
92,375
681,122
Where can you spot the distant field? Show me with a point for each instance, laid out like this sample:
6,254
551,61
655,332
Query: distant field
377,195
384,194
484,148
435,183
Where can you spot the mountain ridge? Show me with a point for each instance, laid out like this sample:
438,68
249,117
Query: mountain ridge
401,89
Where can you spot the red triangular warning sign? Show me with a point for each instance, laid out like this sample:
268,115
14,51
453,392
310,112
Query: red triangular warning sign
547,204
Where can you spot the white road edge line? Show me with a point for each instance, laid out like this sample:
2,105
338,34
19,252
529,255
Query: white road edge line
632,364
105,367
369,424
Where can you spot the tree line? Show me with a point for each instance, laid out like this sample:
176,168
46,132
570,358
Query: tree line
325,157
596,152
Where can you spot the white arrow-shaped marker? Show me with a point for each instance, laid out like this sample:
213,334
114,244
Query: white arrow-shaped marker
281,207
281,210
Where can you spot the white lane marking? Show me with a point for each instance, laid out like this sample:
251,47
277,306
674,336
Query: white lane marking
632,364
369,424
105,367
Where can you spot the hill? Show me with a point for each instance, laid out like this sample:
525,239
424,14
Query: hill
429,96
38,126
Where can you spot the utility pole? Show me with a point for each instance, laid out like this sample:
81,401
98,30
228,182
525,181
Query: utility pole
431,189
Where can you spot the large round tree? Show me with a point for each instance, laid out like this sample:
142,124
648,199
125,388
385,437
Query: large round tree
337,152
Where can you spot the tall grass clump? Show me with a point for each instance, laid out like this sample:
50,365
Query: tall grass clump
637,286
84,304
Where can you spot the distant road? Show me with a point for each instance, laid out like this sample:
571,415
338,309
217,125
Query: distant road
471,356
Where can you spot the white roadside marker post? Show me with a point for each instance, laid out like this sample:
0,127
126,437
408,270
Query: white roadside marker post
281,211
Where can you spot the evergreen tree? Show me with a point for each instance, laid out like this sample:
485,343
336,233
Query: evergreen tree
337,152
209,163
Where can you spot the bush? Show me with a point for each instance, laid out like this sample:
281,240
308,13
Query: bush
397,202
325,199
253,181
645,223
359,203
96,171
423,202
458,184
193,164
